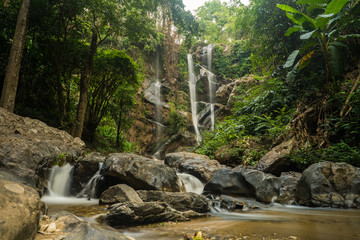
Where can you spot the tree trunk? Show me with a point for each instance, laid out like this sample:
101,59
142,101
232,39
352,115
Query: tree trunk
84,85
8,94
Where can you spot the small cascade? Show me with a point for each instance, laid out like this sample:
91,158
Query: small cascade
60,180
212,88
190,183
89,191
192,87
157,93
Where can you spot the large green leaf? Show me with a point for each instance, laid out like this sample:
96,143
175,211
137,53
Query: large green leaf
291,59
322,20
293,10
309,35
336,62
312,2
292,30
335,6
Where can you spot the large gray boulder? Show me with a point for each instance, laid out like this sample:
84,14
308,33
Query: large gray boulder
20,210
130,213
328,184
276,160
197,165
245,182
119,193
27,145
140,173
181,201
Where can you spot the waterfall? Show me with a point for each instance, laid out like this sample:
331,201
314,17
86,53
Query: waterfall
192,87
60,180
211,81
190,183
157,93
89,191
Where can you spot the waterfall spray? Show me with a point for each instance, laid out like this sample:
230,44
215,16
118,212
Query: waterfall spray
211,80
157,90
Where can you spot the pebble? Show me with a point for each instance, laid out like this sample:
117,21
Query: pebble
51,228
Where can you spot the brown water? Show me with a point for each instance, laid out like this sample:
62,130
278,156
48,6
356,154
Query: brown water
276,222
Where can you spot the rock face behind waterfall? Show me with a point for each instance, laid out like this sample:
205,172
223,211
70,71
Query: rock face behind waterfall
27,144
197,165
20,210
252,183
328,184
140,172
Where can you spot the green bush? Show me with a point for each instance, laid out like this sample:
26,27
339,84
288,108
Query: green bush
340,152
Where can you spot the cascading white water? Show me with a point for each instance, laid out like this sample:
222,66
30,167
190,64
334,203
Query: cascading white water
89,191
190,183
211,81
157,93
60,180
192,87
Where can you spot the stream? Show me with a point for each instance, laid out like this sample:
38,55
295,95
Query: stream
272,221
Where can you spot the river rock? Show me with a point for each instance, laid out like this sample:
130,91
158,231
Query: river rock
288,187
245,182
27,145
197,165
84,169
130,213
140,173
181,201
119,193
328,184
276,160
20,210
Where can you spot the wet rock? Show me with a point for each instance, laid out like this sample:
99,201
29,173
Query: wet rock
28,145
119,193
234,204
140,172
328,184
84,168
197,165
20,210
181,201
288,186
129,213
276,160
245,182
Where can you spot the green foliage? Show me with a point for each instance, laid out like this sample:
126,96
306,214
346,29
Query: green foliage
233,64
61,159
324,34
176,121
340,152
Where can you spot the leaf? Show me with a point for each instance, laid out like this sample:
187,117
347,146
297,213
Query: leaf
292,10
338,44
312,2
322,20
335,6
336,62
308,35
342,37
291,59
292,30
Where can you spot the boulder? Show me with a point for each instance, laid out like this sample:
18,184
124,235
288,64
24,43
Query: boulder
245,182
181,201
84,169
119,193
65,225
27,145
328,184
20,210
195,164
288,187
130,213
140,173
276,160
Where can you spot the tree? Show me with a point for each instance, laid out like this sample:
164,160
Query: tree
8,94
114,70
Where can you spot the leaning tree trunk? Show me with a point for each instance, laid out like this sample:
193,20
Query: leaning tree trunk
84,85
8,94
